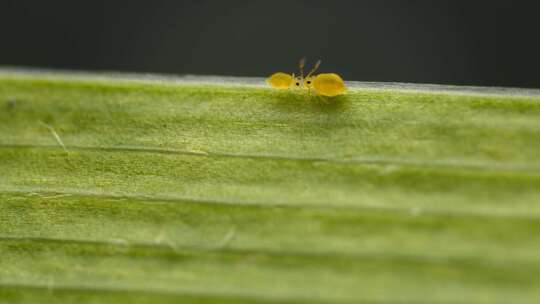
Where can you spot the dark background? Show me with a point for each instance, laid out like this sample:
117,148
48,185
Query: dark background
491,43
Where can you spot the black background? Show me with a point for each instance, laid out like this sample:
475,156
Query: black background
491,43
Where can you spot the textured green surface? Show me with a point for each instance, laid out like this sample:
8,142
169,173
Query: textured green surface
228,194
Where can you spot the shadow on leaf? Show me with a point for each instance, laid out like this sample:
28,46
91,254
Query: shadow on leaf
302,102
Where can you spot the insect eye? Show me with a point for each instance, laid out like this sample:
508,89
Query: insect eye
298,83
308,82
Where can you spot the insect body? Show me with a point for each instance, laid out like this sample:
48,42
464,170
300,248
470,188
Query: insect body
328,84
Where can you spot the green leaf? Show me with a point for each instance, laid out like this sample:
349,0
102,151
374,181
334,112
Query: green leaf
220,190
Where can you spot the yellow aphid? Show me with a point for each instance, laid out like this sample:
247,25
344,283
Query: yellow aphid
280,80
323,84
329,84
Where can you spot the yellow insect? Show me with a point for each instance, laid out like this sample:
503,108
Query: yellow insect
328,84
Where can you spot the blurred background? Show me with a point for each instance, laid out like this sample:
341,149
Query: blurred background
488,43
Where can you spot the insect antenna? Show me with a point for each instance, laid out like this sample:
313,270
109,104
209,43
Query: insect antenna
315,67
302,64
